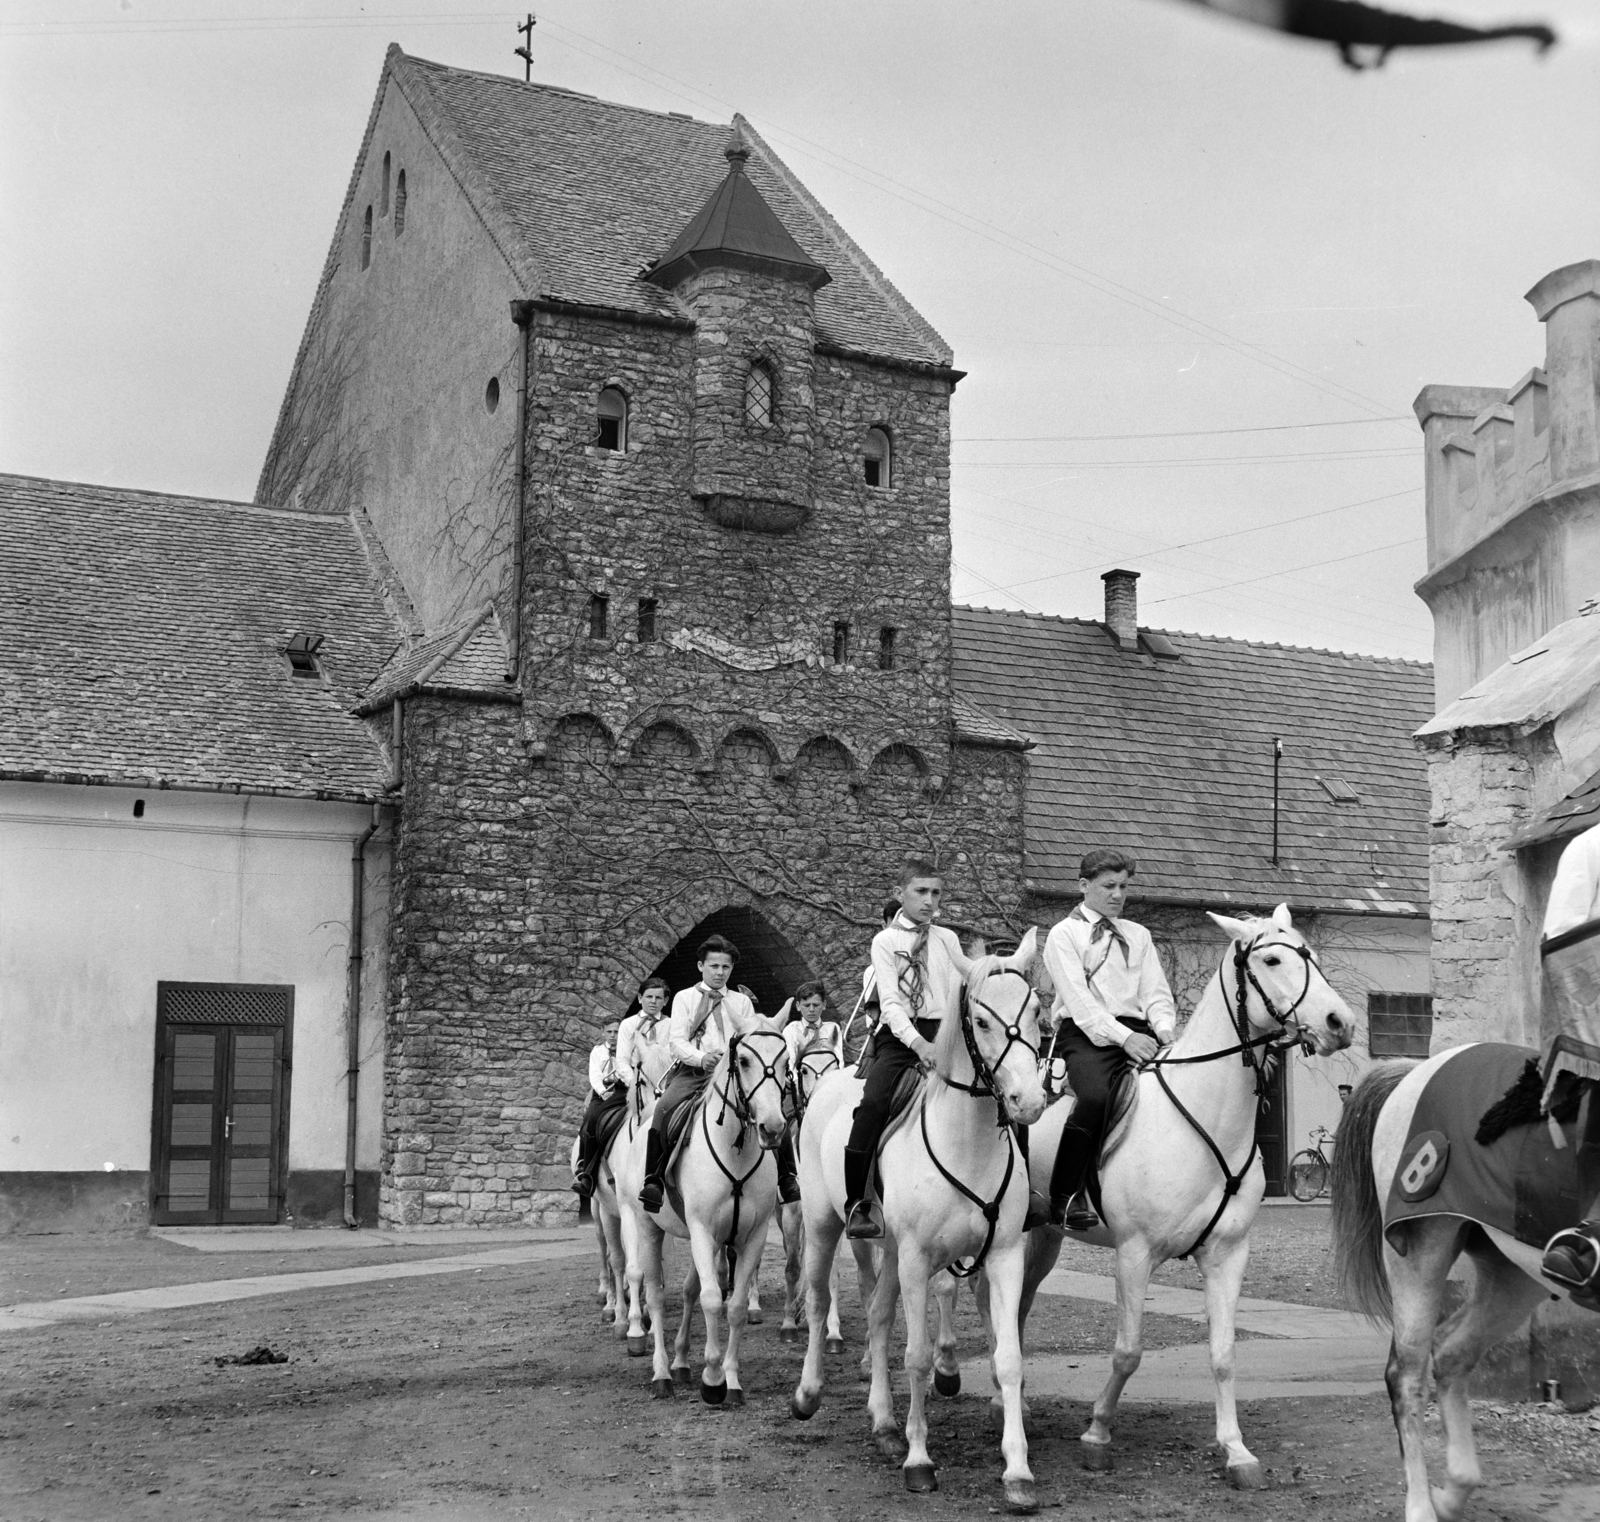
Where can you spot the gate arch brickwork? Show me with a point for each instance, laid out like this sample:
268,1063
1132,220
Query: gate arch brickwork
532,898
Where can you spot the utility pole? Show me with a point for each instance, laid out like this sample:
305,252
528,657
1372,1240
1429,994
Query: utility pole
1277,762
525,52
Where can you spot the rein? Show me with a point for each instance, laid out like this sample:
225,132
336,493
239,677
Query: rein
1248,1047
742,1112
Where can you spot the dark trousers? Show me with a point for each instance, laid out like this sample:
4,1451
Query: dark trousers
1093,1073
682,1085
615,1096
890,1058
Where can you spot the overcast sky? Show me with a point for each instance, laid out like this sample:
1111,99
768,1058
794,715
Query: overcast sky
1128,217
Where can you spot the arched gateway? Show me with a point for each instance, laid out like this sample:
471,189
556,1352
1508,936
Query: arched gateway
768,963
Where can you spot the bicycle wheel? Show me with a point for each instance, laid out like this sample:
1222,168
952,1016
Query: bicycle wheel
1308,1175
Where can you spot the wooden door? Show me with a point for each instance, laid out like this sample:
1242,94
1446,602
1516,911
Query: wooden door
1272,1128
221,1104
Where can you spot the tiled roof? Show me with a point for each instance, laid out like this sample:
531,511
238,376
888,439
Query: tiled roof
583,195
469,657
1578,811
1171,760
976,727
142,642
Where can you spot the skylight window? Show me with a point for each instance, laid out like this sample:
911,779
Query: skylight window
301,652
1339,790
1158,645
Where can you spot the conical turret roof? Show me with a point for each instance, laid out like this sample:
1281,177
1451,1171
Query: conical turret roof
737,227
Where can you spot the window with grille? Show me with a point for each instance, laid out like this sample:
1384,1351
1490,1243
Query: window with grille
841,644
759,395
1399,1025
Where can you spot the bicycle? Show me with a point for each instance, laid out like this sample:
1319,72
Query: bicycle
1308,1169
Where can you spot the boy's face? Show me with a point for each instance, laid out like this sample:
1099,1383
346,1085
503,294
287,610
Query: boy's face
811,1009
1106,894
716,969
653,1000
919,899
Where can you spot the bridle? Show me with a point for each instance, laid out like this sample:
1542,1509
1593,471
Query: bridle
985,1084
804,1068
740,1099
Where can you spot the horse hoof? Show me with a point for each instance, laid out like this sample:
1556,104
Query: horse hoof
735,1395
947,1384
1020,1497
921,1479
661,1389
789,1334
890,1444
638,1347
713,1395
833,1345
1096,1456
801,1409
755,1316
1249,1476
682,1374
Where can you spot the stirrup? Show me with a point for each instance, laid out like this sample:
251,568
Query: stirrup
582,1186
1564,1256
651,1195
1075,1213
1038,1211
864,1222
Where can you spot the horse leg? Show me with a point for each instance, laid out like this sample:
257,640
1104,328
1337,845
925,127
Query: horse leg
650,1254
867,1265
794,1246
753,1312
1503,1297
1417,1283
880,1323
635,1263
1222,1264
708,1266
745,1266
946,1368
835,1332
1133,1274
680,1342
920,1475
822,1243
1005,1297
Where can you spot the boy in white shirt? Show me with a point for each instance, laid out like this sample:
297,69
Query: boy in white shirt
1114,1009
611,1077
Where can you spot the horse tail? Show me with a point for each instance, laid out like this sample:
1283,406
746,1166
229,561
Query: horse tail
1357,1210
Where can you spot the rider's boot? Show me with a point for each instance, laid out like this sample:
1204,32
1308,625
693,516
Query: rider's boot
1069,1204
862,1218
655,1187
788,1180
1572,1257
583,1176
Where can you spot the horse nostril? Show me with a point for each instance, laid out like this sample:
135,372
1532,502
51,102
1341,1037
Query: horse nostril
1335,1023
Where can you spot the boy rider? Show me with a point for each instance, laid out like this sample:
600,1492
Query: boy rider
611,1080
918,968
1114,1008
703,1018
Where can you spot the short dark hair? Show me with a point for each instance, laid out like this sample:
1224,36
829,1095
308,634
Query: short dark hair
891,907
1104,859
914,867
816,989
650,983
715,943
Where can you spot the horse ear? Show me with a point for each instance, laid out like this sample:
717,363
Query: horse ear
1281,917
1235,930
1027,952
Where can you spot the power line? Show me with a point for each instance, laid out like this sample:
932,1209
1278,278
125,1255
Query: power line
1313,566
1185,433
1293,457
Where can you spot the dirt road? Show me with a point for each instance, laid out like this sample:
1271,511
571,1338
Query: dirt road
494,1393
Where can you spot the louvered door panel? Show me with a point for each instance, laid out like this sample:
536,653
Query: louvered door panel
253,1086
194,1067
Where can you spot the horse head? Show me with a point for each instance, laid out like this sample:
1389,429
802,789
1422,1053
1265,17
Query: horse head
1000,1018
809,1073
757,1064
1275,982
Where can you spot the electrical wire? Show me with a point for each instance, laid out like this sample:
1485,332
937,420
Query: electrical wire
1184,433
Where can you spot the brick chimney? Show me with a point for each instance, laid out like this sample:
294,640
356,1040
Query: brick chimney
1122,607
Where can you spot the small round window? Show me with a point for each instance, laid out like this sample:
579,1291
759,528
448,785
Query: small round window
491,394
611,417
878,459
758,395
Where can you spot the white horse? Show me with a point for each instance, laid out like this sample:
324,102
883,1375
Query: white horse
1405,1289
802,1083
951,1190
729,1187
1183,1173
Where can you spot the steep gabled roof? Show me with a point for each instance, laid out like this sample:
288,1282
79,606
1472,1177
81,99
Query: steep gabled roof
469,659
1171,760
143,643
584,195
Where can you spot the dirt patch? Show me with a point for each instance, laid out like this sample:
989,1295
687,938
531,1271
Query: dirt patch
496,1394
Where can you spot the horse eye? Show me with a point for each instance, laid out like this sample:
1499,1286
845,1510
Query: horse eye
1272,961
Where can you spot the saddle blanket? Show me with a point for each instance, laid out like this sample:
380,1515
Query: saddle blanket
1520,1183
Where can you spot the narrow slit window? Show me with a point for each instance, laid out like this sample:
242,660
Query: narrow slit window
877,459
886,637
759,395
366,240
611,418
383,189
400,203
647,620
841,644
599,609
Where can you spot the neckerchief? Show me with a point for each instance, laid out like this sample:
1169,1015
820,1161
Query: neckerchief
913,975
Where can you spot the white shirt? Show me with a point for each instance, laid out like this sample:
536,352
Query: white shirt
824,1036
1575,894
1097,988
600,1069
633,1036
947,967
701,1051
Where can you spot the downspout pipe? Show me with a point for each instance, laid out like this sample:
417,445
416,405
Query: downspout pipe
358,876
522,314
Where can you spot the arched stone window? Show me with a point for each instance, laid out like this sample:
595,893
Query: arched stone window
877,458
611,418
366,240
400,204
760,395
383,189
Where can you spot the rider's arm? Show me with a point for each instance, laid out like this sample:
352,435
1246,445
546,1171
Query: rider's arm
1074,998
599,1062
684,1005
623,1062
1155,998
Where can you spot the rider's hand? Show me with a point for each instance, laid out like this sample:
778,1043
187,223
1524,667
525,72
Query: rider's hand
925,1052
1141,1049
